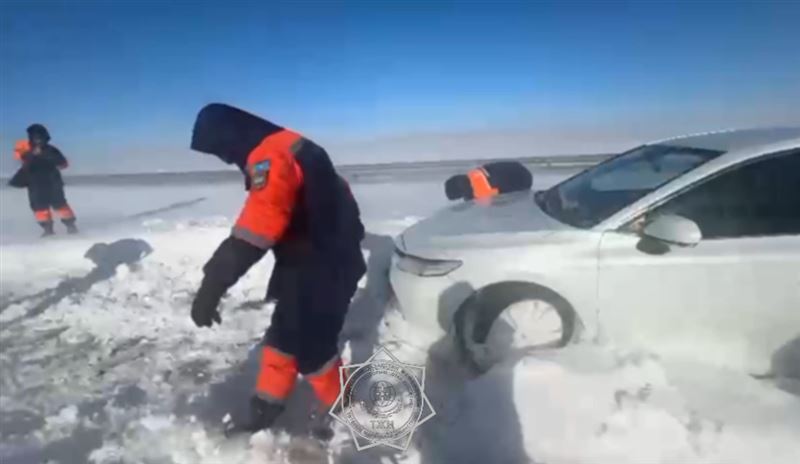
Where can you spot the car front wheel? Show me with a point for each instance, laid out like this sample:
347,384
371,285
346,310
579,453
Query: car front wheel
508,320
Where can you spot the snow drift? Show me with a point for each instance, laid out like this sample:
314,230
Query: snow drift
100,362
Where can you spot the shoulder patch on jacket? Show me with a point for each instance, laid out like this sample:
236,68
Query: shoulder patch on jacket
259,173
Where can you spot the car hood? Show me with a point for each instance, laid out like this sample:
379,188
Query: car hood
495,222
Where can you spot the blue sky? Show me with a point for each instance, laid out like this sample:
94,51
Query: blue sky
119,83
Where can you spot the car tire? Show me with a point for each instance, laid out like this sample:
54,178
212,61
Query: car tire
476,317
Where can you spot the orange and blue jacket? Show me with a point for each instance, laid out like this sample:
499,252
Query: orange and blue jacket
37,170
489,180
22,149
293,186
296,200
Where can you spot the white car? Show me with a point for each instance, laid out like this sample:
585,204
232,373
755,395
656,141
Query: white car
689,245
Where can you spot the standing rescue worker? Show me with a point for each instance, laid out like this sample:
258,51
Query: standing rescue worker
299,207
40,173
489,180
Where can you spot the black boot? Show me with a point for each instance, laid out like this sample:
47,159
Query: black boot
71,227
48,228
262,416
321,426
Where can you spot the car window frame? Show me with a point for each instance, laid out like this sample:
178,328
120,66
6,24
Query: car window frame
628,227
624,153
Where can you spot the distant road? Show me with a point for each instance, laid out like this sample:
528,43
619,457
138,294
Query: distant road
354,173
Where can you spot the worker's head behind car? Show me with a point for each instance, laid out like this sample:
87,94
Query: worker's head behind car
489,180
229,133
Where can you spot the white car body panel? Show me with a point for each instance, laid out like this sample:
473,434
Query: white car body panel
556,256
565,262
735,293
732,293
473,225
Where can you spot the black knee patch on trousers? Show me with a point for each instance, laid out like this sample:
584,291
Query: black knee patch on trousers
46,196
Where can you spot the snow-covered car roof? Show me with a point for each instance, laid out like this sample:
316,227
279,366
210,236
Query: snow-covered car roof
735,140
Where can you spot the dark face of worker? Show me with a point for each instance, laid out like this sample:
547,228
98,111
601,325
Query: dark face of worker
229,133
38,143
38,137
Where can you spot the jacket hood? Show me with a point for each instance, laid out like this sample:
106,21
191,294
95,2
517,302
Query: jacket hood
457,187
229,133
38,130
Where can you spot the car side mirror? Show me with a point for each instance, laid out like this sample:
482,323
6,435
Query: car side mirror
673,229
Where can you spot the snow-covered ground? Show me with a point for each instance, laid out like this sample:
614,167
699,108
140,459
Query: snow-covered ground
100,362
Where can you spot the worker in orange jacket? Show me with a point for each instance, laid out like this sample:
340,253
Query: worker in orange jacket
489,180
40,174
299,207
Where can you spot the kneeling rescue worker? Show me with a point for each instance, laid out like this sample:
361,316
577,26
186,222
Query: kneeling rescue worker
489,180
40,173
299,207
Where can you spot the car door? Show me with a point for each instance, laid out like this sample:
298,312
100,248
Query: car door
734,298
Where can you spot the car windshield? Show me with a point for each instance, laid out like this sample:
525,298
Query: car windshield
595,194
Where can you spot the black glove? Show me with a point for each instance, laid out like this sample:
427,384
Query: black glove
204,307
230,261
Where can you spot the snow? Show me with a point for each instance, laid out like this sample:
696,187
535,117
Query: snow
100,362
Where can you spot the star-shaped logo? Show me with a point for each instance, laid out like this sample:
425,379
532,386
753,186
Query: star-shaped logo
382,401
